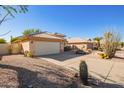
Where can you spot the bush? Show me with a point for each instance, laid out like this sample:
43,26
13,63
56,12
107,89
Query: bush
2,41
104,56
111,43
84,72
28,54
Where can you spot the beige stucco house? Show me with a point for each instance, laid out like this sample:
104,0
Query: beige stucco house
43,43
78,43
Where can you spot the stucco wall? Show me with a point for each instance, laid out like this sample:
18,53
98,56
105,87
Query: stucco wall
45,48
90,46
82,46
62,47
4,49
16,48
26,46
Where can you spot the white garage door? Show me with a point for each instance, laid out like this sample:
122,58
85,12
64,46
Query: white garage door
45,48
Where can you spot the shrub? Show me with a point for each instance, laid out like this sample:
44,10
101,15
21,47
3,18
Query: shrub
25,53
111,43
2,41
84,72
104,56
28,54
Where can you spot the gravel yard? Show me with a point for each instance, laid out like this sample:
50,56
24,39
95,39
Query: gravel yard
19,71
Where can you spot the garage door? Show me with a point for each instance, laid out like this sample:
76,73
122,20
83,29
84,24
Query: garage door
45,48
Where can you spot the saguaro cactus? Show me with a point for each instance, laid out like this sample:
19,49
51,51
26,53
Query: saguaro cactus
84,72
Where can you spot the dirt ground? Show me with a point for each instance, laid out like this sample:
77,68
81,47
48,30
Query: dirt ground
19,71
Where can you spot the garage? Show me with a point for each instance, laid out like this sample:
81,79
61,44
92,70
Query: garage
43,44
45,48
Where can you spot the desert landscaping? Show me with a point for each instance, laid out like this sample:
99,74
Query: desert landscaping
60,49
58,71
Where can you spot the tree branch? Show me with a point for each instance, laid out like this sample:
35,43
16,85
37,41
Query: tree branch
5,33
2,20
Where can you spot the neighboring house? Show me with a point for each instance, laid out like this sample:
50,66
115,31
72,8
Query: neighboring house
42,44
78,43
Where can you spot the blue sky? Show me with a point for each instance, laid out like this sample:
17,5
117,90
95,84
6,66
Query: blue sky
73,21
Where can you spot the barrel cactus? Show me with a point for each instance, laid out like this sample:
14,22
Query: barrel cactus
84,72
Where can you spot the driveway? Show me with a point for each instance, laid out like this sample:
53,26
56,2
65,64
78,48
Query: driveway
108,71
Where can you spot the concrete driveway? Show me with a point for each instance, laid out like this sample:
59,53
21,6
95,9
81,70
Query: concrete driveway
109,71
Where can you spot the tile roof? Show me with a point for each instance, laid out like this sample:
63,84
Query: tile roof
77,40
45,35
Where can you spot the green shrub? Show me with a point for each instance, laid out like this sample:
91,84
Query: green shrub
104,56
2,41
28,54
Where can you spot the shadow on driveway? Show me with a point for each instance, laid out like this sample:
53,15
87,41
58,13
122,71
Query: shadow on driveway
63,56
119,57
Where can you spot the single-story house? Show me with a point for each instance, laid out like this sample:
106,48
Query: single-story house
42,44
78,43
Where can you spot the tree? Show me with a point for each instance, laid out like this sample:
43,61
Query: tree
98,40
122,44
13,39
111,43
7,11
31,31
2,41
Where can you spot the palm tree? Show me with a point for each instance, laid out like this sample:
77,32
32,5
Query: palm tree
10,10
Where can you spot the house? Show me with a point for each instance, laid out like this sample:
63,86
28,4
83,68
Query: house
78,43
43,43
